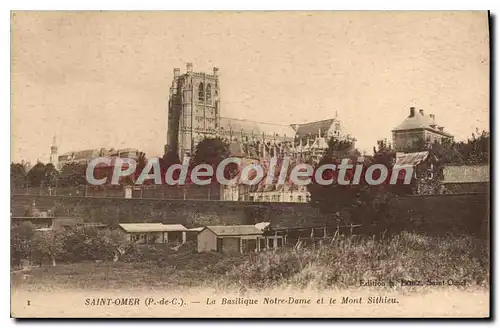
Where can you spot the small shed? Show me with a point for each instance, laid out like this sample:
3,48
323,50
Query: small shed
229,239
154,233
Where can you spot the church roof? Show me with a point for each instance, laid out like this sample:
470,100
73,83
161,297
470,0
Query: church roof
256,128
303,130
417,121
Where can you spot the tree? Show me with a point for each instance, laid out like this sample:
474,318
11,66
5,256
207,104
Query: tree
36,175
20,242
48,244
211,151
113,240
359,203
73,174
18,175
476,151
51,175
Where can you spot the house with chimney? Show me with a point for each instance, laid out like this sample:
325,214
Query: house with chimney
418,130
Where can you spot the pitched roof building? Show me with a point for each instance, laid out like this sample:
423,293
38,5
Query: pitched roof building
418,130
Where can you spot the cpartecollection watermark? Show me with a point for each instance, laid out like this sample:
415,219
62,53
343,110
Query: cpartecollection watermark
344,173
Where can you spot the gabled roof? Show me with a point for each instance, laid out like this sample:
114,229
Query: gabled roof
313,128
151,227
235,230
466,174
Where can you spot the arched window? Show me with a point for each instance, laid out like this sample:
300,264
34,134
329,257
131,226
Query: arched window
209,93
201,92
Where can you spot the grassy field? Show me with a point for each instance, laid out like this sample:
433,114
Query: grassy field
340,264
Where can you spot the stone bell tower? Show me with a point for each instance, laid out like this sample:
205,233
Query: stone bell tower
193,109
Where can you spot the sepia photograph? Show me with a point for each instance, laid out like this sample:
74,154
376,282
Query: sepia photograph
251,164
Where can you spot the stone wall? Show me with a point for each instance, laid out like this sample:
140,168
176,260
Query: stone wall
432,214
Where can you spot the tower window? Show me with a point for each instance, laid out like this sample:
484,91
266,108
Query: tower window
201,92
209,93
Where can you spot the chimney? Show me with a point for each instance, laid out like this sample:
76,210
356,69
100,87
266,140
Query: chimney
216,71
433,121
177,72
412,111
189,68
421,111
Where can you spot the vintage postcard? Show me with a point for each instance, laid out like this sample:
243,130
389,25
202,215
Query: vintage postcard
250,164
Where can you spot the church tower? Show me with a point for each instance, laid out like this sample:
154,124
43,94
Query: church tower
53,153
193,109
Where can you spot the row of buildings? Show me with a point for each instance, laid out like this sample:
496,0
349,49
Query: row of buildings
212,238
195,113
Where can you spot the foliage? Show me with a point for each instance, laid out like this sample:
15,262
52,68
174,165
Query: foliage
73,174
18,175
51,175
338,264
211,151
474,151
36,175
90,243
404,256
204,219
358,203
20,242
48,244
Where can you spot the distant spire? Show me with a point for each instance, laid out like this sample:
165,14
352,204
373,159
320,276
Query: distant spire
54,141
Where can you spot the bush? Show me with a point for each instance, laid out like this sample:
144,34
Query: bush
20,242
347,260
89,243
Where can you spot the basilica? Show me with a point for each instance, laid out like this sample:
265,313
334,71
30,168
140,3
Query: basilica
194,113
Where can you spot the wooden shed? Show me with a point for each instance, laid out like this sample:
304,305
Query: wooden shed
229,239
154,233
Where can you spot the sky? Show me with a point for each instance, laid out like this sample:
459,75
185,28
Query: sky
101,79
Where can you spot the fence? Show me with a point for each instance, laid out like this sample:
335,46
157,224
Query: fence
191,192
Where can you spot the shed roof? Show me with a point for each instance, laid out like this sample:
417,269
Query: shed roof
151,227
410,159
466,174
235,230
198,229
262,225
